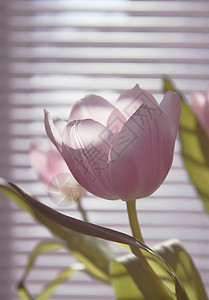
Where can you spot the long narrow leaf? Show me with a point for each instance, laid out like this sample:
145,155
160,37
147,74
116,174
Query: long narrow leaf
180,261
45,247
51,287
124,286
131,280
62,276
41,248
92,230
125,274
92,252
23,292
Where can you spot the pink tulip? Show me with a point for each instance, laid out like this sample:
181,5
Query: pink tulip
51,168
118,151
200,106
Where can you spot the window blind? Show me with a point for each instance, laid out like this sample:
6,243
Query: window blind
55,52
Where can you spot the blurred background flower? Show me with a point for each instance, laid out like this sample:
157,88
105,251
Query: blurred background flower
54,173
200,106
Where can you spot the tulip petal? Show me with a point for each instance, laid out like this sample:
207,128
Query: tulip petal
54,128
47,161
171,105
200,106
86,146
96,108
130,100
144,151
206,112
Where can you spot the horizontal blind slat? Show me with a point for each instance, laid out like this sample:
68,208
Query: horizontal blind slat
109,6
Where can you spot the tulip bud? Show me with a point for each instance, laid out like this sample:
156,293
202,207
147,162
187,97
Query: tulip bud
119,151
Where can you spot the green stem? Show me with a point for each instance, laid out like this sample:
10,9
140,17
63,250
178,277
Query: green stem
133,220
157,283
82,211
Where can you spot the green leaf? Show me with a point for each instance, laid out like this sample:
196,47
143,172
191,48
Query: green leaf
62,276
93,253
50,288
123,283
180,261
41,248
80,227
130,281
195,147
23,293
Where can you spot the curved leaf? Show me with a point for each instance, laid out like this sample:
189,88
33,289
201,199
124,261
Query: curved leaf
50,288
179,260
124,274
62,276
123,283
60,220
41,248
195,147
93,253
131,281
23,293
